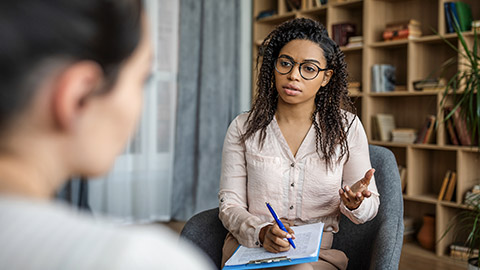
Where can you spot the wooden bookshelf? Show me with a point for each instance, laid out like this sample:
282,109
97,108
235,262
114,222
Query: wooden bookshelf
414,59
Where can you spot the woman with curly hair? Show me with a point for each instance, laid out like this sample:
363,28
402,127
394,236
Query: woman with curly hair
301,148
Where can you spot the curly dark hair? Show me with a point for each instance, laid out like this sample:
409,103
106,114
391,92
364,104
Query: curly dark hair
332,125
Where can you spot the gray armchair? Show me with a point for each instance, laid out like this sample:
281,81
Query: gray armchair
376,244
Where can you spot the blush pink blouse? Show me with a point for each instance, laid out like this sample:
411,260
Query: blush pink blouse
299,188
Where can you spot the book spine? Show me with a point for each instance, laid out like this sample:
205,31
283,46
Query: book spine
448,18
464,15
454,15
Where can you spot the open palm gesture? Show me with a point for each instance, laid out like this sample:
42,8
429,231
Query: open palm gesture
353,196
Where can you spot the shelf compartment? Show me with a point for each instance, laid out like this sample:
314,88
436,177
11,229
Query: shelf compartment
426,60
415,211
346,12
468,173
318,14
446,215
426,170
395,56
409,111
354,65
394,11
263,27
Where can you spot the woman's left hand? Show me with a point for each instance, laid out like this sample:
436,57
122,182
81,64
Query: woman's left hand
353,196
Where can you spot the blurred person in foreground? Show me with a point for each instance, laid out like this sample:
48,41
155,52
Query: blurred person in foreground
72,74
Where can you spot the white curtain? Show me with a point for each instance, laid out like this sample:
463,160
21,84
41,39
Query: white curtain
138,188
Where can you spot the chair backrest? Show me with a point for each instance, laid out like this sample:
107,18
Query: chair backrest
379,240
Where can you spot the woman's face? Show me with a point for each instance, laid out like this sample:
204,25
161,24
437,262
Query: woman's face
292,88
114,115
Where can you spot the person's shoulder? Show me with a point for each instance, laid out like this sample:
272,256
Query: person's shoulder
239,122
103,244
241,119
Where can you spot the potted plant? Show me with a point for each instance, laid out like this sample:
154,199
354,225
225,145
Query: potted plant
463,87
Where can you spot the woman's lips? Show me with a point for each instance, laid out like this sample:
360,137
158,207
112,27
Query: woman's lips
291,90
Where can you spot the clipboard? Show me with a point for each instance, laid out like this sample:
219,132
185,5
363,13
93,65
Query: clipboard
265,259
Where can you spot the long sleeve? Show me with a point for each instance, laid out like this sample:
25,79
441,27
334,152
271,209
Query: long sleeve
354,169
234,213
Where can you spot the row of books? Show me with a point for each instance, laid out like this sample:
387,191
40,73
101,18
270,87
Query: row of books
382,126
384,129
457,11
447,190
427,132
402,30
457,128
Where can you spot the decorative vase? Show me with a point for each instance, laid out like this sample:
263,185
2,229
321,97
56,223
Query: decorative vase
426,235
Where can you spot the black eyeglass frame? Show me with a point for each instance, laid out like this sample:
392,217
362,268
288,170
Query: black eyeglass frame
299,68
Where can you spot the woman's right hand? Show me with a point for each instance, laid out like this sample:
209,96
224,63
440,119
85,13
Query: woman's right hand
273,238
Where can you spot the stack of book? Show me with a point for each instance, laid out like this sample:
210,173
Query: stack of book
458,251
355,41
341,32
404,135
429,84
460,12
402,30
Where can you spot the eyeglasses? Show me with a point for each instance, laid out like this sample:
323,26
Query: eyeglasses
308,70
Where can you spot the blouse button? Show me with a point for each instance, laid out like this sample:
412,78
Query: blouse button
292,184
291,207
292,165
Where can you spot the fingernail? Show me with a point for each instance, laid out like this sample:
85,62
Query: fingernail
288,235
347,188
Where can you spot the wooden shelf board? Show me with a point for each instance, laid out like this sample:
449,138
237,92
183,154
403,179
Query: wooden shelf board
349,49
354,93
277,18
388,144
389,44
453,205
427,146
404,93
444,147
316,10
426,198
434,39
348,4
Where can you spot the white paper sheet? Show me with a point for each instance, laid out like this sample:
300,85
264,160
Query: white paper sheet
307,242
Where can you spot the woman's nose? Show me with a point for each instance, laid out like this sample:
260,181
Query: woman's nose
294,74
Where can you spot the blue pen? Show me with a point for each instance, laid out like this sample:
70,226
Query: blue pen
280,224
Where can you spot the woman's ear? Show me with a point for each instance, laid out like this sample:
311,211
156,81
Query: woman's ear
326,77
72,88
